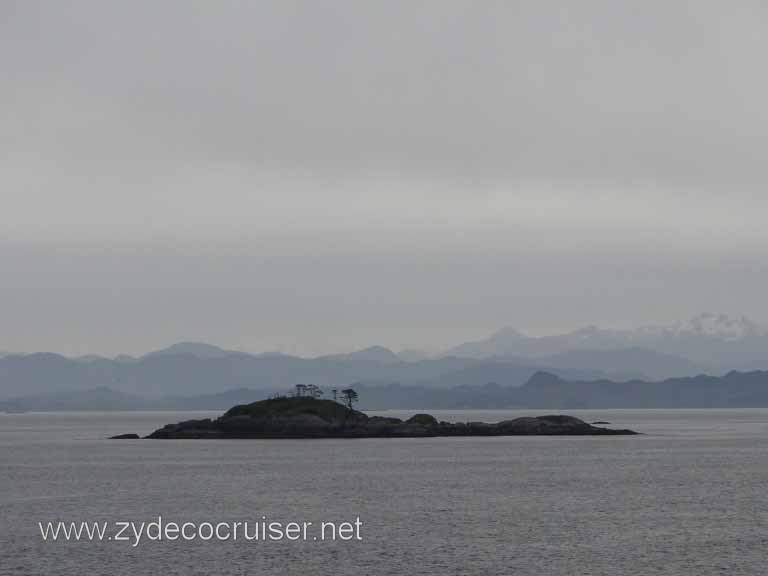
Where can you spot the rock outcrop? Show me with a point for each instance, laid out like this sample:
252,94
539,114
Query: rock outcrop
312,418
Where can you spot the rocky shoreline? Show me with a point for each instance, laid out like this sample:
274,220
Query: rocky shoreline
315,418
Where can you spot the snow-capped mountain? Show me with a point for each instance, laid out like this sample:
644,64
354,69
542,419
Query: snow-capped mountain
712,341
720,326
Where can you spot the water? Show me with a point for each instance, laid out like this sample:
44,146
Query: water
688,497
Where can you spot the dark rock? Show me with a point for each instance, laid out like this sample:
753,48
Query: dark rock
545,425
125,437
422,420
306,417
382,426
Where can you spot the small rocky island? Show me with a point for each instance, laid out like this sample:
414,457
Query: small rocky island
307,417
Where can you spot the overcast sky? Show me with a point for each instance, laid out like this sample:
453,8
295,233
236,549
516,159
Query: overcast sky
317,176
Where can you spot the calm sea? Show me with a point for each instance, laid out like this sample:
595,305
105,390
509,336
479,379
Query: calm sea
687,497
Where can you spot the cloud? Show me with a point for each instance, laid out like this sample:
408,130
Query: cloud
231,205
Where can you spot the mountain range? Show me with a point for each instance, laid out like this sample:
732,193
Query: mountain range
548,391
197,375
543,390
159,375
715,342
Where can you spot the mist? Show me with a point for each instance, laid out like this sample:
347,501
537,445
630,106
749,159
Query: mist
314,178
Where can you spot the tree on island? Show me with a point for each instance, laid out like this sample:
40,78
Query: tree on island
307,390
313,391
349,396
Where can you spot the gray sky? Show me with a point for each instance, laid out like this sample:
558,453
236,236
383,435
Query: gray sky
316,176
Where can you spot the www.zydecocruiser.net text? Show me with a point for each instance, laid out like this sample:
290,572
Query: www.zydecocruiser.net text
159,530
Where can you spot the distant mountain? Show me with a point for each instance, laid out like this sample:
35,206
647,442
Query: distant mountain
505,342
164,374
413,355
195,349
88,358
107,399
543,390
625,363
172,374
508,373
220,401
489,368
714,342
547,391
94,399
378,354
734,390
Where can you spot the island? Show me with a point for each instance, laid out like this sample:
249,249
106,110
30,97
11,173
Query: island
308,417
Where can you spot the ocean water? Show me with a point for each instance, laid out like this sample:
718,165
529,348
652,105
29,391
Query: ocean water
686,497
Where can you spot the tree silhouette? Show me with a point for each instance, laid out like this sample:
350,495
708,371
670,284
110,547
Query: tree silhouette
313,391
349,396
